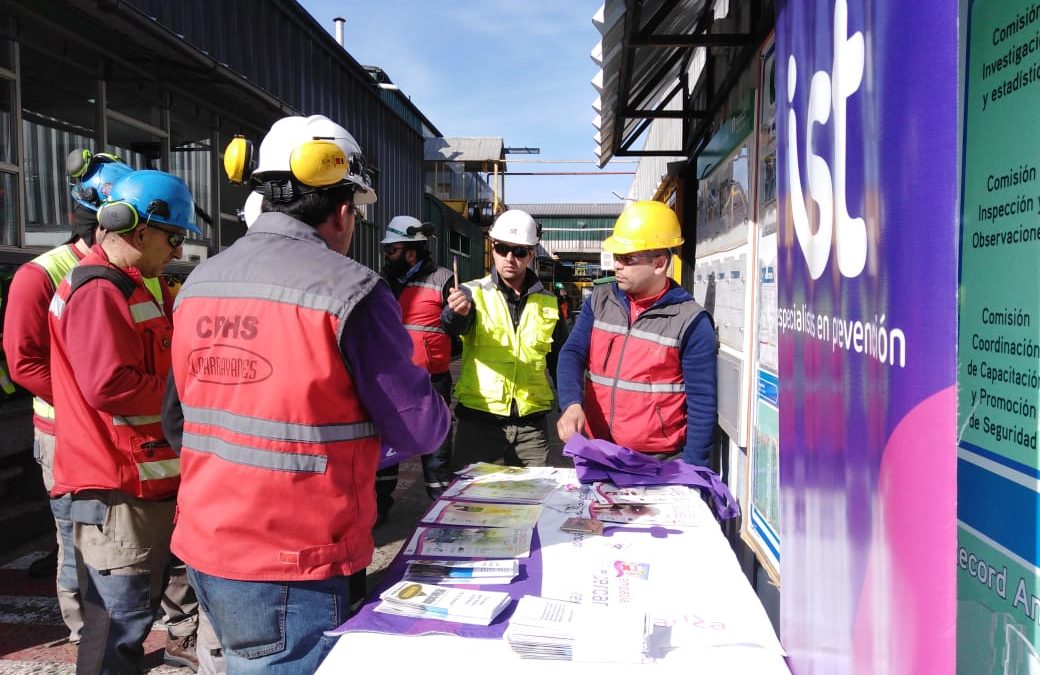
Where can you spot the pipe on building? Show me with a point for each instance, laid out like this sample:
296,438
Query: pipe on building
339,21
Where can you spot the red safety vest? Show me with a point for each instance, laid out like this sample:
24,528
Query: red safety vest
422,300
96,450
634,391
279,455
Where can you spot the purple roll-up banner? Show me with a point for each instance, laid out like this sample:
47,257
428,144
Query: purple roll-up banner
867,318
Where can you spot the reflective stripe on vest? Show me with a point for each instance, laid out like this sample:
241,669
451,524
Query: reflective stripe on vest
258,457
42,409
145,311
635,333
277,430
158,470
423,329
644,387
135,420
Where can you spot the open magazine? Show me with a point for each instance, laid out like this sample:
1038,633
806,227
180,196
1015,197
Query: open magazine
482,514
470,542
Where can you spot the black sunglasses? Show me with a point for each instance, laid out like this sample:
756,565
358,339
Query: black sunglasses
174,239
391,249
519,252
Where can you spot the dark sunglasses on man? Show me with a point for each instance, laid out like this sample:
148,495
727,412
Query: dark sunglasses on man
519,252
174,239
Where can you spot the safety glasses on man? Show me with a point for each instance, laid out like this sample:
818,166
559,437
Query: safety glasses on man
640,257
518,252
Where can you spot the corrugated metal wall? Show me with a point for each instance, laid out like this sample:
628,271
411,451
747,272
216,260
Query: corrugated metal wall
302,65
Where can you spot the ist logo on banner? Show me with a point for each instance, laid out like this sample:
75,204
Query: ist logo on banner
827,92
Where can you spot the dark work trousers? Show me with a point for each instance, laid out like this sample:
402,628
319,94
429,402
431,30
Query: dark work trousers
436,465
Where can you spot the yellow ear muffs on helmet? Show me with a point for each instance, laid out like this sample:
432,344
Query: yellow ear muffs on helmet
239,160
118,217
319,163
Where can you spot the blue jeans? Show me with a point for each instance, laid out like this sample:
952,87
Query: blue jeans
273,627
122,547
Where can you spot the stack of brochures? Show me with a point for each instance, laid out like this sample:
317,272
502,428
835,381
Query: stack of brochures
566,631
425,601
470,542
475,572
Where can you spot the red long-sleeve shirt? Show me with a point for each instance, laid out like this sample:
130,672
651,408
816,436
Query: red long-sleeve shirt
27,338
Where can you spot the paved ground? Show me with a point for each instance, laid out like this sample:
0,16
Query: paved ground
31,631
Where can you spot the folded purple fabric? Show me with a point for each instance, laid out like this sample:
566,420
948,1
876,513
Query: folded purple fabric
598,460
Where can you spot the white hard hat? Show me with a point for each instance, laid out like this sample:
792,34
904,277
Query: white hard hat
280,148
515,227
403,228
251,209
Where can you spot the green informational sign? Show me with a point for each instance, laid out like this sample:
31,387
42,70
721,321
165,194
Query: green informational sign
999,344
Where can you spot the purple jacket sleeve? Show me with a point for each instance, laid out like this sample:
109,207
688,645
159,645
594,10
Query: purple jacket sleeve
409,414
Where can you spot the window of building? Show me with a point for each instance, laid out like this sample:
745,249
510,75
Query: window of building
458,243
59,114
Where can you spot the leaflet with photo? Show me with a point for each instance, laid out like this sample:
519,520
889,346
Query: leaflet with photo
676,513
608,493
470,542
408,598
524,491
482,514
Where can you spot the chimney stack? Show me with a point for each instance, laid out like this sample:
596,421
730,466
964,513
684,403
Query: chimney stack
339,21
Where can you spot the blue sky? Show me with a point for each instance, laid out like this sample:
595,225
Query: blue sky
519,69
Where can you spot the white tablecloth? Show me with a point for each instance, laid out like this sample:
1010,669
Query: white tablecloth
690,575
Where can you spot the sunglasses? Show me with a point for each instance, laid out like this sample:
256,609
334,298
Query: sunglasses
630,259
519,252
391,249
174,239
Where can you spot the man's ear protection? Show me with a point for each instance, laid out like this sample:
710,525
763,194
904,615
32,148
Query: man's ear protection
122,217
239,160
317,163
79,163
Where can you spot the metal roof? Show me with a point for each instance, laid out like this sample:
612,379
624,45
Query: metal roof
465,149
612,210
644,56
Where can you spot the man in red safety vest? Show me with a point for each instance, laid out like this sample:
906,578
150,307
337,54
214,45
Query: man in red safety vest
421,287
639,367
27,343
291,364
110,356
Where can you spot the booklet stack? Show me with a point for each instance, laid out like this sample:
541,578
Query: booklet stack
425,601
474,572
557,630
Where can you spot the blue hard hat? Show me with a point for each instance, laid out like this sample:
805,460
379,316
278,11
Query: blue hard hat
157,197
95,185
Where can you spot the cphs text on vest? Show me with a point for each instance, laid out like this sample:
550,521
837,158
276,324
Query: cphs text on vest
237,326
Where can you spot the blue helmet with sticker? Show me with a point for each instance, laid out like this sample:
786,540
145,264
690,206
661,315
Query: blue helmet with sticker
150,196
93,176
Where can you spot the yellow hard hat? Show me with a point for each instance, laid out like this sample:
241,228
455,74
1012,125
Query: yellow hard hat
644,226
